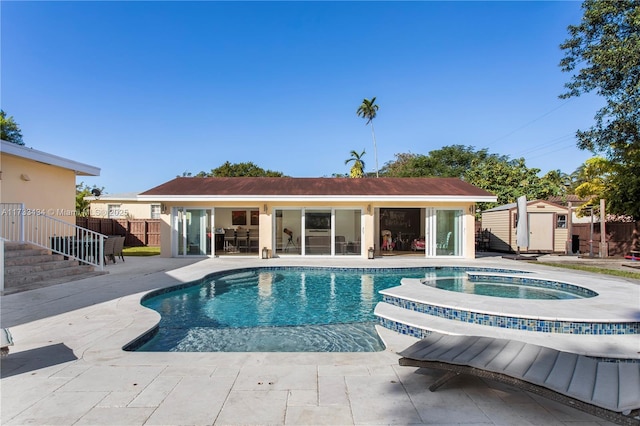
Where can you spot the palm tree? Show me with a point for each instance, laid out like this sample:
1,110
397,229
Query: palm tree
368,111
357,170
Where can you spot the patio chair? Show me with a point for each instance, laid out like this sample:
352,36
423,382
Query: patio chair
242,240
118,247
6,340
229,240
254,239
607,389
108,250
444,244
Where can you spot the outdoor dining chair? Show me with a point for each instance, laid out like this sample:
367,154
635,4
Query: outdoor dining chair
118,247
109,249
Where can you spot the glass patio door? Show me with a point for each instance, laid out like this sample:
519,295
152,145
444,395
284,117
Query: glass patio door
288,229
444,229
347,232
193,232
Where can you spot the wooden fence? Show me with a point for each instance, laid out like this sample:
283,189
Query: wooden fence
619,237
138,232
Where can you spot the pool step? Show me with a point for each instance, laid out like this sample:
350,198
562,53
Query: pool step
419,325
416,310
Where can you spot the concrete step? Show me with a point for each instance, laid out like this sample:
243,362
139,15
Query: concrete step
28,267
31,260
24,251
38,276
11,271
54,281
11,281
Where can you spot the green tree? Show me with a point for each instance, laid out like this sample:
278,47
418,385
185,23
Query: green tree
509,180
603,55
248,169
9,129
560,180
595,177
407,165
368,110
449,161
82,190
357,170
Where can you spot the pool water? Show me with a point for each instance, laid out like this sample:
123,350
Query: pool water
279,310
512,290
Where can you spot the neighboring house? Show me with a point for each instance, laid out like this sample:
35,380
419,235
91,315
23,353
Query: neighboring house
316,216
38,207
122,206
44,183
547,227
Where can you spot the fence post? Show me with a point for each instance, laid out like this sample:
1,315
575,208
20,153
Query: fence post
603,235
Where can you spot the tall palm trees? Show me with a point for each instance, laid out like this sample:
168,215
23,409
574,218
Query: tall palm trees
357,170
368,111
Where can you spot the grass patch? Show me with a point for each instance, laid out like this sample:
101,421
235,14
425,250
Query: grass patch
594,269
141,251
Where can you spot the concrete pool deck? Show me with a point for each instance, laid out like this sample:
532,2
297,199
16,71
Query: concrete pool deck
67,366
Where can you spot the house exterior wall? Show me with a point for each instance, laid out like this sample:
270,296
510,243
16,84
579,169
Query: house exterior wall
499,225
266,211
128,209
49,189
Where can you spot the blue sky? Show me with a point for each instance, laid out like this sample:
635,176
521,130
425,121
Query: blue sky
149,90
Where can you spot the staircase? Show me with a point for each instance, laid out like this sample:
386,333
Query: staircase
28,267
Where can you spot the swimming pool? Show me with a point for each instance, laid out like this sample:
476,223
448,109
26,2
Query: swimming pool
279,309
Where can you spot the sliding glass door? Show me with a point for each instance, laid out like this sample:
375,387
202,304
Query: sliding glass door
318,231
193,232
288,229
347,235
444,232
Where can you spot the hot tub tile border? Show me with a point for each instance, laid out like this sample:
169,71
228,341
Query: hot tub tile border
516,323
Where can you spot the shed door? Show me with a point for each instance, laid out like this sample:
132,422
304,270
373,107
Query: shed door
541,231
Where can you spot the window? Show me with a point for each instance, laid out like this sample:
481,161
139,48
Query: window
114,211
561,221
155,211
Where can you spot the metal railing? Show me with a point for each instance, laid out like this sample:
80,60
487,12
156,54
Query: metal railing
33,226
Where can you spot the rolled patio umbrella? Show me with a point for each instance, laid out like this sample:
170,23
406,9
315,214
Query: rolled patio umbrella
522,230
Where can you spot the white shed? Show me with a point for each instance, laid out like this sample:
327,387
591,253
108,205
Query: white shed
547,227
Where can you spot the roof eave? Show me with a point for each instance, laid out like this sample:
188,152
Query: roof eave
324,198
80,169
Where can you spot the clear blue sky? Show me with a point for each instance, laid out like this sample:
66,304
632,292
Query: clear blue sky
149,90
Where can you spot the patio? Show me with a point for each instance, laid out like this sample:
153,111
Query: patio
67,367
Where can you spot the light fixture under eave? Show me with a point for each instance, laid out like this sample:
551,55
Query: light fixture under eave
25,177
163,208
369,208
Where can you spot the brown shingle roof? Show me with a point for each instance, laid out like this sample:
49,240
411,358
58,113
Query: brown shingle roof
282,186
